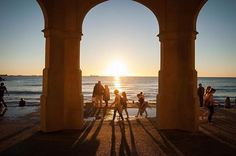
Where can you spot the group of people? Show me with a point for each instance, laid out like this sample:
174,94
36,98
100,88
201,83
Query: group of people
120,102
207,101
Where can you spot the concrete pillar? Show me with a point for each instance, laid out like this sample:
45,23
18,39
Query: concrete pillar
61,101
73,98
177,101
52,98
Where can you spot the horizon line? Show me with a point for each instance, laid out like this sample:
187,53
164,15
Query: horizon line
119,76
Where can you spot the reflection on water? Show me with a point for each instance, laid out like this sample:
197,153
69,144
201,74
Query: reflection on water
117,83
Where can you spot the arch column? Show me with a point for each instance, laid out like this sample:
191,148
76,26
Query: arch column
73,97
61,100
177,103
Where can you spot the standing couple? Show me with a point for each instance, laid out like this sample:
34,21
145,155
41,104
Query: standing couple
100,93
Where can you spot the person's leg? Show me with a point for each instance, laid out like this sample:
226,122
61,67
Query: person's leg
146,112
201,101
106,102
138,112
210,114
121,115
100,99
205,112
114,115
96,101
126,111
3,102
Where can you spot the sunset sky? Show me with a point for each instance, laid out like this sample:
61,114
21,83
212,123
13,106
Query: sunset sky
118,34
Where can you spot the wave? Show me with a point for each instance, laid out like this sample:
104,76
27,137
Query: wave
33,85
227,89
25,92
88,83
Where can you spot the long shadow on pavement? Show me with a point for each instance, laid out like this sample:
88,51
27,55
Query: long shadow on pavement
69,142
195,144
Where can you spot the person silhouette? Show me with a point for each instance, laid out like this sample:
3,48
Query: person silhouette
210,103
200,93
118,106
98,92
227,102
106,95
3,89
124,101
142,105
22,102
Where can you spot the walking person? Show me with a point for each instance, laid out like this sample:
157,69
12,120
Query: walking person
210,103
205,98
200,93
124,101
118,106
3,89
106,96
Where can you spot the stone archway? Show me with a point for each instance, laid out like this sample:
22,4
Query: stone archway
62,100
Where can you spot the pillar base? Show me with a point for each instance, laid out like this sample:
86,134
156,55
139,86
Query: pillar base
177,107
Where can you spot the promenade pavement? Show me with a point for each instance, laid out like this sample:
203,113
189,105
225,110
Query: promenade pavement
100,136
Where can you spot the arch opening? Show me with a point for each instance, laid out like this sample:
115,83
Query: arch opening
119,39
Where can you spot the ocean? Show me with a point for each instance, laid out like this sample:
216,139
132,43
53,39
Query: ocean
30,88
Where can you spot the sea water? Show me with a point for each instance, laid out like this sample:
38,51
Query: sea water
30,88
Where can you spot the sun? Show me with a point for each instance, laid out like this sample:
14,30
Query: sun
117,68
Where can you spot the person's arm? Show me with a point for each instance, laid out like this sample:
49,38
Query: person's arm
6,91
114,101
127,101
112,104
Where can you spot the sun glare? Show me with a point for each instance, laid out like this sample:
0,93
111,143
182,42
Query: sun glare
117,69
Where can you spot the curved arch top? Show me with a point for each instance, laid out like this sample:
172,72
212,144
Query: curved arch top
200,4
44,11
134,2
